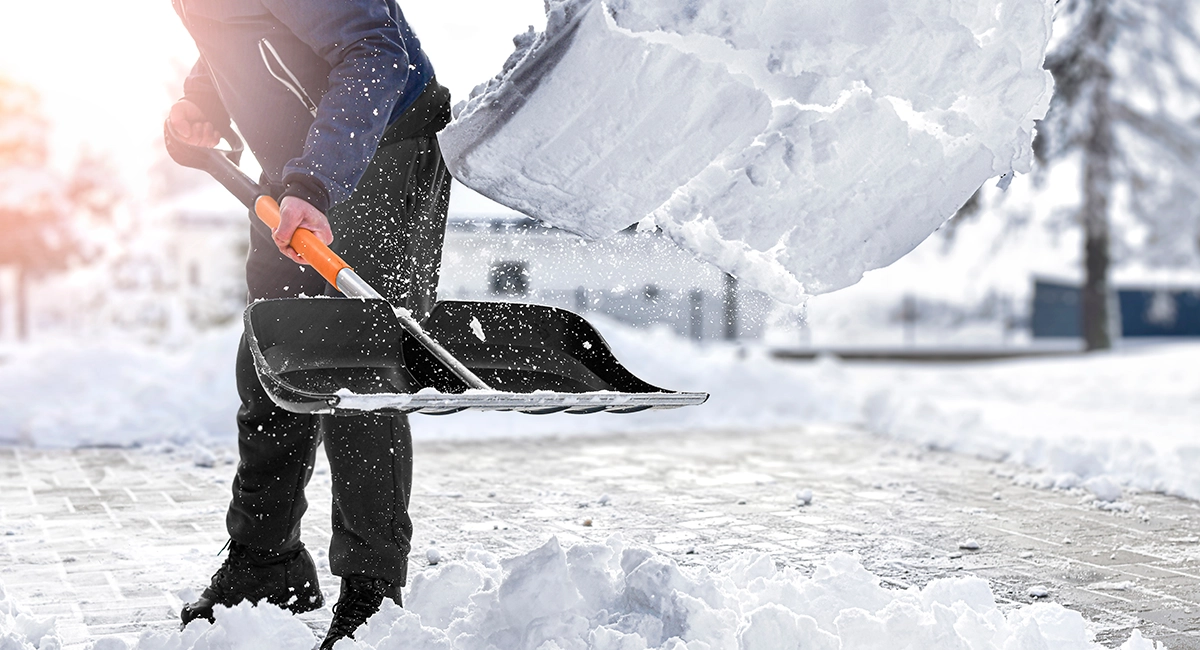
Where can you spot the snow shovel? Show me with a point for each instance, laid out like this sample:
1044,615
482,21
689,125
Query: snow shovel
357,355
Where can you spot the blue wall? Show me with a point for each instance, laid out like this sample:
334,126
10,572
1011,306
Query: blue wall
1144,312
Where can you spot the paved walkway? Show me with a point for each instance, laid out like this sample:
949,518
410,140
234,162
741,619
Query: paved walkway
110,541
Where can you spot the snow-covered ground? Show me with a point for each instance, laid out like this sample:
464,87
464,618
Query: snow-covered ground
659,536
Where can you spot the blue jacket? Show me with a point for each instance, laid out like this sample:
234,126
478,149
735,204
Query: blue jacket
311,84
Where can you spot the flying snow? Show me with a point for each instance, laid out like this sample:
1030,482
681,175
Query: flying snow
795,145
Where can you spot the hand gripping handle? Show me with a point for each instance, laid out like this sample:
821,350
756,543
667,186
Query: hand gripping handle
222,166
313,250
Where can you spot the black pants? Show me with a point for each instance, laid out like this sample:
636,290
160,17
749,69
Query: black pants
390,231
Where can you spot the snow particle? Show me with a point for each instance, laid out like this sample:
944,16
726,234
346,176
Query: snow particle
1038,591
804,497
969,545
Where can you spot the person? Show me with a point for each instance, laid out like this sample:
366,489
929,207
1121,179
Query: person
340,106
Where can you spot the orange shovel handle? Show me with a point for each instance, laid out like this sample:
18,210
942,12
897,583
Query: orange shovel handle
313,250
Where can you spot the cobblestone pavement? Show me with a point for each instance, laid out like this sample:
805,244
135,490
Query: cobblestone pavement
112,540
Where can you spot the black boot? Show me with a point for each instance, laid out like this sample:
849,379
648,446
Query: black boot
360,599
288,580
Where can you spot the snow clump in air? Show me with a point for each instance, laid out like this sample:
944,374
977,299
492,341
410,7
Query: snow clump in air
608,597
795,145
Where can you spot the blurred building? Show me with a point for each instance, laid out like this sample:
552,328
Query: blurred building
642,279
208,254
187,272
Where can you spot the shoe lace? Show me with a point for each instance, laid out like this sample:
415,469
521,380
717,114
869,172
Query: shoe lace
358,602
227,574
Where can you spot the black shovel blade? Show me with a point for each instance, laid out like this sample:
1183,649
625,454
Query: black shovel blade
349,356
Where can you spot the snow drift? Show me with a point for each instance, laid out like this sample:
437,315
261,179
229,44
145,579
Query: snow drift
795,145
607,597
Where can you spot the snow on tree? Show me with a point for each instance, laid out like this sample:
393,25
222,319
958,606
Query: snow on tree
1128,103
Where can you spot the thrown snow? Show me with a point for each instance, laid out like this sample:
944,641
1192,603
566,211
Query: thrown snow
609,597
794,145
477,329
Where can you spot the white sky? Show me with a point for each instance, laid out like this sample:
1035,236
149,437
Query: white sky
108,71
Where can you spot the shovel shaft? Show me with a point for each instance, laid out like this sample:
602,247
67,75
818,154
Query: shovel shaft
313,250
355,287
338,273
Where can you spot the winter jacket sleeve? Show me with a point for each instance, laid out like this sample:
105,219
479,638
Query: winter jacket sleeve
199,89
362,42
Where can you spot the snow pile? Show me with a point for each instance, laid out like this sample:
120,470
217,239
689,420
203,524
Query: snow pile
59,393
747,391
795,145
20,631
79,392
607,597
241,627
1126,419
1097,422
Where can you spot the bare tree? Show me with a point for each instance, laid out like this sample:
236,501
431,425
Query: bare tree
1126,104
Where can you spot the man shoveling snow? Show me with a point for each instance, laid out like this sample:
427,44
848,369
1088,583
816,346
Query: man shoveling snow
340,106
794,145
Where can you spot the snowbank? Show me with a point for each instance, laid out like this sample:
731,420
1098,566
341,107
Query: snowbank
795,145
70,392
241,627
607,597
1129,415
21,631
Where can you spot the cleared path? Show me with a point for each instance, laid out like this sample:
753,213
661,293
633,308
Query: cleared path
111,541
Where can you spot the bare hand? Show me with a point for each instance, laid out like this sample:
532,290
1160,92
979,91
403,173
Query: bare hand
297,213
192,125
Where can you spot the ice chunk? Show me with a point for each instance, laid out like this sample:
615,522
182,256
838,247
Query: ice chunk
795,145
1039,591
477,329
